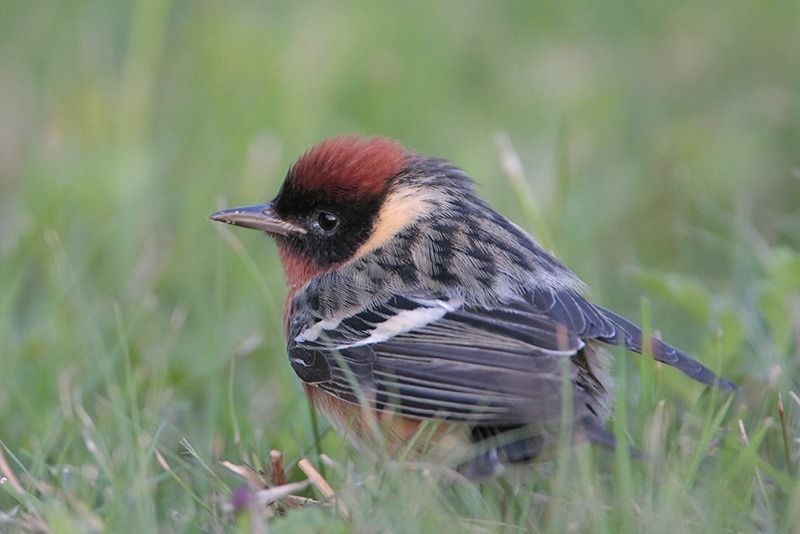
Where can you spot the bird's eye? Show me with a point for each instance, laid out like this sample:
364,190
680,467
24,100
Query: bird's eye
327,221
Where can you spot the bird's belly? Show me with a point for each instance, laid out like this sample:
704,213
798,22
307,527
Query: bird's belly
375,431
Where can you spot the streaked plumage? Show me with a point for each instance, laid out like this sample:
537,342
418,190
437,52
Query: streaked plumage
412,299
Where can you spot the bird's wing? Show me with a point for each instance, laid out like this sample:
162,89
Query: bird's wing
589,321
438,358
503,364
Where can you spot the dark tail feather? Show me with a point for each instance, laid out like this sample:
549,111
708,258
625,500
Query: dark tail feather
481,467
597,433
492,462
630,335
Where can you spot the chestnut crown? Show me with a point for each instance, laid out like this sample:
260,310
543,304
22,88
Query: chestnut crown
329,201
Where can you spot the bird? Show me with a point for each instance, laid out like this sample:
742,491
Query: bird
419,318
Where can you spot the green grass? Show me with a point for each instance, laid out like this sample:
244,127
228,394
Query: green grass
653,147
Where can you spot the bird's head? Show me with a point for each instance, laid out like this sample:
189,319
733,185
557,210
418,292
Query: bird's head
341,199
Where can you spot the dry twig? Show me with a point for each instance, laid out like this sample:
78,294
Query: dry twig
322,485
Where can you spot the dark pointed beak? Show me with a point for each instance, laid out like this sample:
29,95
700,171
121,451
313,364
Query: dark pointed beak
261,217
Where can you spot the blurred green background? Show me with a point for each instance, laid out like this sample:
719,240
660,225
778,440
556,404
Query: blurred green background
660,143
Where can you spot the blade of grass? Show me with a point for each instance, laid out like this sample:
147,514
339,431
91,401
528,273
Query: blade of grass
787,445
623,473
